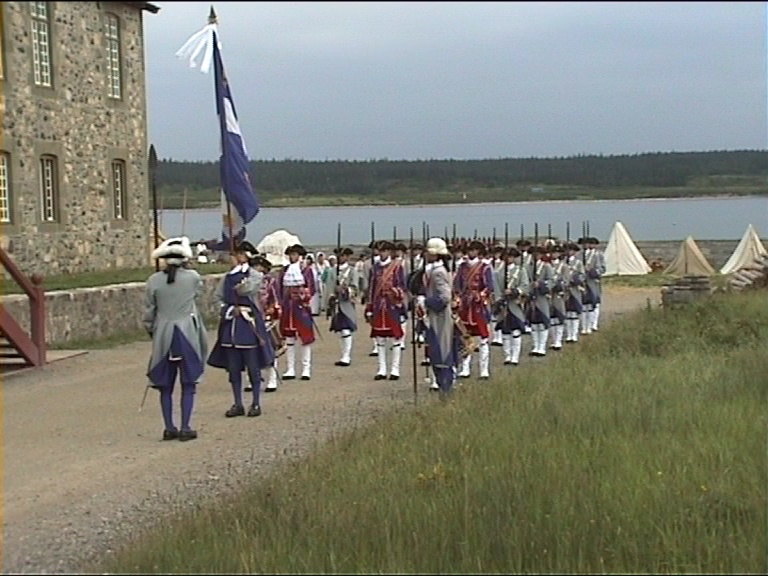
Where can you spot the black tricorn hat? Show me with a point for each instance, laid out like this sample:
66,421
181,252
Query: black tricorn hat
401,246
386,245
573,246
262,261
298,248
512,251
581,240
247,248
593,240
477,245
343,251
523,242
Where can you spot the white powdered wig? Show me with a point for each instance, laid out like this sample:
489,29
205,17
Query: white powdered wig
174,248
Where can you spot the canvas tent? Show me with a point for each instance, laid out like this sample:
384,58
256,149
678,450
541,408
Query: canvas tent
689,261
622,258
749,249
273,246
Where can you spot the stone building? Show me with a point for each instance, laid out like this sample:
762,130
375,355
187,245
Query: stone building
74,185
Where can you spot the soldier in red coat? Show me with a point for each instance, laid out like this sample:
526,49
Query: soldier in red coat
473,289
296,287
386,309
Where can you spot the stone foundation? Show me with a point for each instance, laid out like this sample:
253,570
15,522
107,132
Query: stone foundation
101,312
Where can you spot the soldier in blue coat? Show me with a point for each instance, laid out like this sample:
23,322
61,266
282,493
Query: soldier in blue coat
243,342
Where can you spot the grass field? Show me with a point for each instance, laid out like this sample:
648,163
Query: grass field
642,451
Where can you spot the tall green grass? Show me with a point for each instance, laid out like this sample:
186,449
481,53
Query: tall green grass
641,450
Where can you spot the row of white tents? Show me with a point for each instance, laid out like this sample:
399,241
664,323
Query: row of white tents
622,257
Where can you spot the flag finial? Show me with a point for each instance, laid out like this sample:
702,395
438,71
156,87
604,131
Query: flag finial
212,18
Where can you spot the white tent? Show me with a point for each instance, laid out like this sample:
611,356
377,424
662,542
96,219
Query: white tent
749,249
622,258
273,246
690,260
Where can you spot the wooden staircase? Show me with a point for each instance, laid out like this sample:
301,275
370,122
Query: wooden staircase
19,349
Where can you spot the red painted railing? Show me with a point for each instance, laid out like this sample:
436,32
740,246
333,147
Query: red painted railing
31,347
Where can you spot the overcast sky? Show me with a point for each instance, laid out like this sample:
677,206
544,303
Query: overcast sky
436,80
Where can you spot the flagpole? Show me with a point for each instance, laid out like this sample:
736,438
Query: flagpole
217,70
184,213
153,172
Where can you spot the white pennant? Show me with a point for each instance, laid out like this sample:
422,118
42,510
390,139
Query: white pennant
200,41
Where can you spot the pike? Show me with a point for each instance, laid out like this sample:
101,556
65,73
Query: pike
413,327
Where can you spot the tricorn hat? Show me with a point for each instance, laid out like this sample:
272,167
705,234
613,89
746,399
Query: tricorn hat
297,248
573,246
262,261
437,246
523,242
343,251
512,251
477,245
247,248
593,240
386,245
174,248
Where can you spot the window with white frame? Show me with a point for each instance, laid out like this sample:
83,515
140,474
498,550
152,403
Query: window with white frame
49,189
118,190
41,43
112,34
5,187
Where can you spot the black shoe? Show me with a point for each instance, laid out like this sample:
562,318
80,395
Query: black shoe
254,411
426,363
185,435
393,377
289,377
484,378
305,377
497,344
235,410
268,389
170,434
380,377
340,363
373,354
247,388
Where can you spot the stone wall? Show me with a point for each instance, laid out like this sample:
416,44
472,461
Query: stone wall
75,121
94,313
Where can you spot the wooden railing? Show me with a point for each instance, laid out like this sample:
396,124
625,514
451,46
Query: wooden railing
31,347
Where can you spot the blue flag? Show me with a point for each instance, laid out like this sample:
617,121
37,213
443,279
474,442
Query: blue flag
239,201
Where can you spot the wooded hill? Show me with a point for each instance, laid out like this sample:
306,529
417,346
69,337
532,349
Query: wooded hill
296,178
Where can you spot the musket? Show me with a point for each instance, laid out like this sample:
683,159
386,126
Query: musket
583,240
535,251
333,301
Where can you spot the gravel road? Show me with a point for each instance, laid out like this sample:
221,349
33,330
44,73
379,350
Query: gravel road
84,469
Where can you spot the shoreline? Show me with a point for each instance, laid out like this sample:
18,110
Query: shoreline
454,204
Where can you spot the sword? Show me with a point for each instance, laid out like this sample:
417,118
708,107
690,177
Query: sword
144,399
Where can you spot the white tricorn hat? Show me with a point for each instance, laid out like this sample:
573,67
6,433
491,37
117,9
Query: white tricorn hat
437,246
174,248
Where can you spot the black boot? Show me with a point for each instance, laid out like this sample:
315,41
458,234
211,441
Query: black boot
185,435
254,410
235,410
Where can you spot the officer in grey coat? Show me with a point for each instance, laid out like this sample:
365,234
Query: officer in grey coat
436,306
179,338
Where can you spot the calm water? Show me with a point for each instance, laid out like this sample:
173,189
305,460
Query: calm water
674,219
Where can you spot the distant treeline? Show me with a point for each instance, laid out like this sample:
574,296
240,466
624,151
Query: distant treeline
373,177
